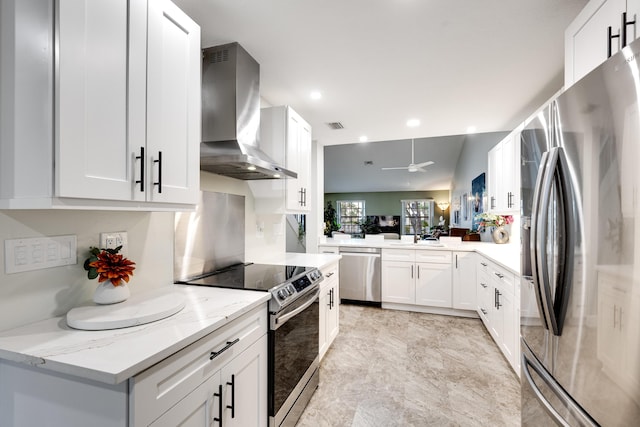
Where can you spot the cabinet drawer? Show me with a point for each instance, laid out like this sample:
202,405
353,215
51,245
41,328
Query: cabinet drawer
329,250
438,257
330,271
157,389
399,255
504,279
483,266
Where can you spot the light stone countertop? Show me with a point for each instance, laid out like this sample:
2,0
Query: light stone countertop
507,255
112,356
303,259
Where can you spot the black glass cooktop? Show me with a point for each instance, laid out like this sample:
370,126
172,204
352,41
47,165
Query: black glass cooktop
255,277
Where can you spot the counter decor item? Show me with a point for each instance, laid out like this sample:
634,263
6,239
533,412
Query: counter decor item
113,271
495,223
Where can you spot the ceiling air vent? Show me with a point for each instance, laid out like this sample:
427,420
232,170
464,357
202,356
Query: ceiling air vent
335,125
368,162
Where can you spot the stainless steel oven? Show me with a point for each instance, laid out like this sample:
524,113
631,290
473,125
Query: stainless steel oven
293,348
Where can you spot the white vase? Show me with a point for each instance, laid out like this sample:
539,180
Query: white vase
500,235
107,293
485,235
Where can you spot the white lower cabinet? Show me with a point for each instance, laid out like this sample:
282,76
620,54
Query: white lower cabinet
230,364
497,305
184,389
464,280
417,277
329,307
618,337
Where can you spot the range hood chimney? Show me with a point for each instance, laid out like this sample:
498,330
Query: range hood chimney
231,116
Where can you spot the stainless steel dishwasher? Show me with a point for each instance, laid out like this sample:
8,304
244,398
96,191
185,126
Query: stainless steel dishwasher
360,275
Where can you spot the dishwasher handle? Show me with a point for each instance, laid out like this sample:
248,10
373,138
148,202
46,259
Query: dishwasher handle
370,251
358,254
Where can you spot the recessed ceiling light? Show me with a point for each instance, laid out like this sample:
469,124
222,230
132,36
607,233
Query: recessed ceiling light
316,95
364,138
276,175
412,123
472,129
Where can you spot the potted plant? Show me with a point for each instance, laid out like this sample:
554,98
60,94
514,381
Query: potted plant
112,271
330,220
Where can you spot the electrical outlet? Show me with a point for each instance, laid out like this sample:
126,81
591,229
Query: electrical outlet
113,239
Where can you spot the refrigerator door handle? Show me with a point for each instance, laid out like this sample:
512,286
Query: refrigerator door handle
535,242
556,171
530,362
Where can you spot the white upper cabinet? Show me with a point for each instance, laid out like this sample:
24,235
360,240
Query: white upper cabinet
588,41
92,141
173,105
299,161
504,174
125,107
286,137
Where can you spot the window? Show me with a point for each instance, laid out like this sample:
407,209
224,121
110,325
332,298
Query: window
350,213
417,216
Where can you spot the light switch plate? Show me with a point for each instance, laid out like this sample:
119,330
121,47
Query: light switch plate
39,252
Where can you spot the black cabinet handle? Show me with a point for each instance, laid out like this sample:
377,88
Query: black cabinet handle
498,305
301,201
412,271
500,276
159,162
418,272
623,28
141,180
219,396
483,264
456,261
215,354
609,37
332,298
483,311
233,396
483,285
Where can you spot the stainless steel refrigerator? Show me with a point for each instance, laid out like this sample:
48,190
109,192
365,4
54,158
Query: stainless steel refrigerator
580,289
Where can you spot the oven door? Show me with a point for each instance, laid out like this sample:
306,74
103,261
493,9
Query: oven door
293,355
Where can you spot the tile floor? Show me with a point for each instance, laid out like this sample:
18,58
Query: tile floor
395,368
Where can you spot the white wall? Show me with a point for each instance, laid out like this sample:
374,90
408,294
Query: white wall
42,294
471,163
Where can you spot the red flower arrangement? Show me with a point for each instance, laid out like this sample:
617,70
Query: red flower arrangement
108,264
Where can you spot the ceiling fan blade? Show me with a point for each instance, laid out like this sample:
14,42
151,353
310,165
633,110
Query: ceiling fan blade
419,165
401,167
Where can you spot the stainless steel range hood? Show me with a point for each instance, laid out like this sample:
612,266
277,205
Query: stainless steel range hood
231,116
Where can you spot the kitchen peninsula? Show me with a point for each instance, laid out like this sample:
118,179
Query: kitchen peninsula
470,279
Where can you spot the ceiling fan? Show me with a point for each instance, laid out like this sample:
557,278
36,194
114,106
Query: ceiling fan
413,167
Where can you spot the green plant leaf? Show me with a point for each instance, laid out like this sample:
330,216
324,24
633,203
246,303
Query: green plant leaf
93,273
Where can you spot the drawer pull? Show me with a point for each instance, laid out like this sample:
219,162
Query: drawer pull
329,274
483,264
483,311
215,354
501,276
483,285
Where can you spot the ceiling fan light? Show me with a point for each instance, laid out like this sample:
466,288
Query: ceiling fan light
412,168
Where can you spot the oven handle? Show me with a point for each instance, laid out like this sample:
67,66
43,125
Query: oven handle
283,319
